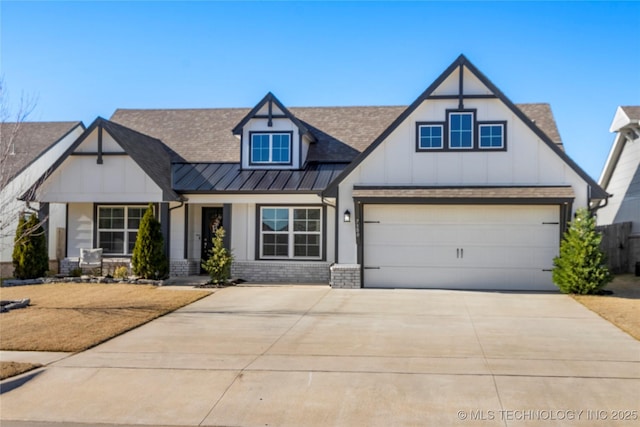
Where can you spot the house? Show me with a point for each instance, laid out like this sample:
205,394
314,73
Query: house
621,178
27,150
461,189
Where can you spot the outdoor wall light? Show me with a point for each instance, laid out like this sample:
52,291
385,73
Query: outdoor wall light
347,216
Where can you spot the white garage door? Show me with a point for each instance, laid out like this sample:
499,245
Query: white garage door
460,246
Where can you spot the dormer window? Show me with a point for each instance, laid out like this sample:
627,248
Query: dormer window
270,148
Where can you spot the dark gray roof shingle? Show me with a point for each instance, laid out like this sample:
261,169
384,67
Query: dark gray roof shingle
32,139
204,135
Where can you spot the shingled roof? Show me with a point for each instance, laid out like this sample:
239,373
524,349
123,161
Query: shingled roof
204,135
30,140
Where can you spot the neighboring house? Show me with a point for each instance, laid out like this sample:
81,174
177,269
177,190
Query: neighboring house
462,189
621,178
28,149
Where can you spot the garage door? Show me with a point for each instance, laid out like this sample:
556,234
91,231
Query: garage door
460,246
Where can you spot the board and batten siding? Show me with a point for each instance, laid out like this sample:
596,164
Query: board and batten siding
17,186
527,161
119,179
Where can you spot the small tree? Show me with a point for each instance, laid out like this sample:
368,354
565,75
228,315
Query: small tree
218,265
149,260
580,268
30,256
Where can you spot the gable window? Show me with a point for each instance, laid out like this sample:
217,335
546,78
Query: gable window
430,136
491,136
118,228
460,130
270,148
290,233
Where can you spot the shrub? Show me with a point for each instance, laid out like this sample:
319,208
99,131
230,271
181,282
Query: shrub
580,268
218,265
121,272
148,259
76,272
30,256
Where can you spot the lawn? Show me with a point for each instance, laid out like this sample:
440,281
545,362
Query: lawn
622,307
73,317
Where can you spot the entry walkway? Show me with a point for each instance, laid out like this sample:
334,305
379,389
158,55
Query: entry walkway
313,356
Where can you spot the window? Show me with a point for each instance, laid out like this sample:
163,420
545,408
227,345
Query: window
118,228
430,136
271,148
491,135
460,130
290,233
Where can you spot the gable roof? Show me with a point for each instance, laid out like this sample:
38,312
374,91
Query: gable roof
149,153
30,140
204,135
596,191
626,123
270,99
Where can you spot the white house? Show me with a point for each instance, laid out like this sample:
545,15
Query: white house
461,189
621,177
27,150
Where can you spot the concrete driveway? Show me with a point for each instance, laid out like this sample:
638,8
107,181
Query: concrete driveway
313,356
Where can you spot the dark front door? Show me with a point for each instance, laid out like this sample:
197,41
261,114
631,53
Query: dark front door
211,221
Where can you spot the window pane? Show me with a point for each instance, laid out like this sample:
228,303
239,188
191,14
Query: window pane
280,148
430,137
491,136
275,219
306,220
111,242
260,148
134,217
132,240
275,245
306,245
111,217
461,130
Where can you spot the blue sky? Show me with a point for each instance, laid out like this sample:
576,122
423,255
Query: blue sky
85,59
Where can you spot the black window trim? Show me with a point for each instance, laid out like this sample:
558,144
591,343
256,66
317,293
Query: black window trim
502,123
474,144
444,130
271,132
258,231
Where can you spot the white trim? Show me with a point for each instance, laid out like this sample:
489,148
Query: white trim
491,147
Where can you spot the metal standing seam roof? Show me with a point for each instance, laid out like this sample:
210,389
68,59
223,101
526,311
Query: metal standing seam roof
229,178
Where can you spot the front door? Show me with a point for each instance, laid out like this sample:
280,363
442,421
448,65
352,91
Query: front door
211,221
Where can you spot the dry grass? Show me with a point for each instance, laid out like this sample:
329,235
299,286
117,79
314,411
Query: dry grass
622,307
73,317
9,369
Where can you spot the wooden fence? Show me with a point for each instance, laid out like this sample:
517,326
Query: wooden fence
617,246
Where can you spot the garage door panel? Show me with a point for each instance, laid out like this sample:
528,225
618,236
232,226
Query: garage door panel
408,255
460,246
381,234
445,278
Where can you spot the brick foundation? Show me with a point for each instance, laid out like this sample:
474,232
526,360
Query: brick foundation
346,276
281,272
184,267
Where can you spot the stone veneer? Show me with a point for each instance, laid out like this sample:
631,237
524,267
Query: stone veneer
281,272
346,276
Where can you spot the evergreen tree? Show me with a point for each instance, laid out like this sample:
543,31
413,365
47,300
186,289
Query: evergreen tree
30,256
149,260
218,265
580,268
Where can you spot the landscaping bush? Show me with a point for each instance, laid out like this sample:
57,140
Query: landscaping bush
580,268
148,259
30,256
218,265
121,272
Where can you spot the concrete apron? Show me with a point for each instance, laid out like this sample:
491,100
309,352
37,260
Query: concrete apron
312,356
